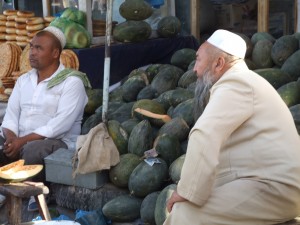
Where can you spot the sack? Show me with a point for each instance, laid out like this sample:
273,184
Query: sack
95,151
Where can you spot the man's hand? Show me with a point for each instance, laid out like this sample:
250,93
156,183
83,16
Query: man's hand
175,197
13,146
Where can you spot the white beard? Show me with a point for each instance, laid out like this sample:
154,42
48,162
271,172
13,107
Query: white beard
203,86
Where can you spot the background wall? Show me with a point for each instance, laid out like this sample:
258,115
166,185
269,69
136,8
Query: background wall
239,16
235,15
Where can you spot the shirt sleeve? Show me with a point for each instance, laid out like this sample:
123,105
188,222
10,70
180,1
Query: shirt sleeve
12,113
230,104
70,109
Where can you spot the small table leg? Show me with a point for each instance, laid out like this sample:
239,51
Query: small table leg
43,208
14,210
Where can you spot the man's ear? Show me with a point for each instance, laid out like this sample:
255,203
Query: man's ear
56,53
219,64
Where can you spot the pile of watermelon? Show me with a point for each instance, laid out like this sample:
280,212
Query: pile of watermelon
277,60
151,110
150,116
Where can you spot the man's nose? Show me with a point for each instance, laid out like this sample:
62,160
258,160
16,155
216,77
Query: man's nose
32,51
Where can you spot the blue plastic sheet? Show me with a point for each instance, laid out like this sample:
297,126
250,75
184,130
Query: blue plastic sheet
156,3
61,217
94,217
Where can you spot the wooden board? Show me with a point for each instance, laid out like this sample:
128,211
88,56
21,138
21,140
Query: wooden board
195,18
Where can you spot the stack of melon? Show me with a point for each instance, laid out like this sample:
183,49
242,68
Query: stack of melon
151,110
277,60
134,29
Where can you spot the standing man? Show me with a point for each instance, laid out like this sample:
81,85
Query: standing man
39,120
242,164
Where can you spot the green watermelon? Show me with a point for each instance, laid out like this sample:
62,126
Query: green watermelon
140,139
146,179
151,106
119,135
135,10
132,31
283,48
261,54
148,208
290,93
132,86
292,65
295,110
168,27
262,36
182,58
161,212
95,97
175,168
124,208
167,147
119,174
275,76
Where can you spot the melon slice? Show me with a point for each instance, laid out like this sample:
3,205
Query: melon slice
12,167
165,118
22,173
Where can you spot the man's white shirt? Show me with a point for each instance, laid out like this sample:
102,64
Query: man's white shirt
54,113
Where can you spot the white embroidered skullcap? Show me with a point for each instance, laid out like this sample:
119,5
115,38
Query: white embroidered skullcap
58,34
229,42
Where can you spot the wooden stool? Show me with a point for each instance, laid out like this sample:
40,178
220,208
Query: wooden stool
15,192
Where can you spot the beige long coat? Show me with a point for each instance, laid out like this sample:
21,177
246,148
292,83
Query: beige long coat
243,159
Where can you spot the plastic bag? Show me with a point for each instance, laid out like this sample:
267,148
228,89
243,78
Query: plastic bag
74,15
76,35
95,217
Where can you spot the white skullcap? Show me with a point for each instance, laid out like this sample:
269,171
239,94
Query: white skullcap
229,42
58,34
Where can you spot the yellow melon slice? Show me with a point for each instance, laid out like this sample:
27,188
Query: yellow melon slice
12,167
23,172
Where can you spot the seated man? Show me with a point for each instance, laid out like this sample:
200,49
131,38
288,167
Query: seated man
40,119
242,163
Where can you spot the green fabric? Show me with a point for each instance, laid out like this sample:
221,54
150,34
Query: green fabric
62,75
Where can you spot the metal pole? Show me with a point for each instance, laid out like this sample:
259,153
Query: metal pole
107,61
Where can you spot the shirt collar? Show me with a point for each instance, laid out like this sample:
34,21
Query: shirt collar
241,65
33,73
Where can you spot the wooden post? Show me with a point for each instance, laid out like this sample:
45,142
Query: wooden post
297,17
86,6
46,8
195,18
263,16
